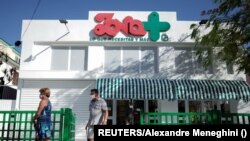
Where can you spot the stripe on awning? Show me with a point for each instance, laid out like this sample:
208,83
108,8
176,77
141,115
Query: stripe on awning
211,89
142,88
134,88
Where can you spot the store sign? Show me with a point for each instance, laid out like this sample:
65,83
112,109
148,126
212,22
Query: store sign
131,27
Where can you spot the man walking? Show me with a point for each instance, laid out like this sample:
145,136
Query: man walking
98,113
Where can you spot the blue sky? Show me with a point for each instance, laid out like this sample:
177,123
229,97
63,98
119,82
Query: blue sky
12,12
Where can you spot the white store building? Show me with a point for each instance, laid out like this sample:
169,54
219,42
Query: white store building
144,57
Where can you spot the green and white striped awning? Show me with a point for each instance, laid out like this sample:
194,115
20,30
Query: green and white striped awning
141,88
134,88
211,89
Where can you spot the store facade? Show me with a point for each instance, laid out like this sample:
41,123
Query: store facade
141,59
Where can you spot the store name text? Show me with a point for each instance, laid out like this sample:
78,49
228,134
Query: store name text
129,26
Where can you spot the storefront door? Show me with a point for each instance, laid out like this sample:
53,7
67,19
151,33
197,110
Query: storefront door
122,111
129,111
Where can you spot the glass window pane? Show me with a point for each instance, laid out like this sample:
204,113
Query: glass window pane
208,105
112,62
124,112
78,59
183,60
131,60
225,107
152,106
181,106
138,107
110,110
230,69
199,63
59,58
148,60
195,106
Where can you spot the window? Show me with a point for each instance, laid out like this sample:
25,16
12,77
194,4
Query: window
69,58
225,107
230,69
16,58
195,106
186,61
181,106
148,59
138,107
152,105
181,109
130,60
208,106
183,60
123,111
110,111
78,57
199,63
59,58
112,60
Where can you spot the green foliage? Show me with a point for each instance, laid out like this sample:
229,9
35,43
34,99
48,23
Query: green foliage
228,33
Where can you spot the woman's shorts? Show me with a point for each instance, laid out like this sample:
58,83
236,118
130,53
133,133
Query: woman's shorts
43,130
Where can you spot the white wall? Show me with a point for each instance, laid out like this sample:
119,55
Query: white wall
37,57
48,30
7,105
167,68
242,107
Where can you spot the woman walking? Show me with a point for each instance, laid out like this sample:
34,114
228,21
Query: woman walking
42,119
